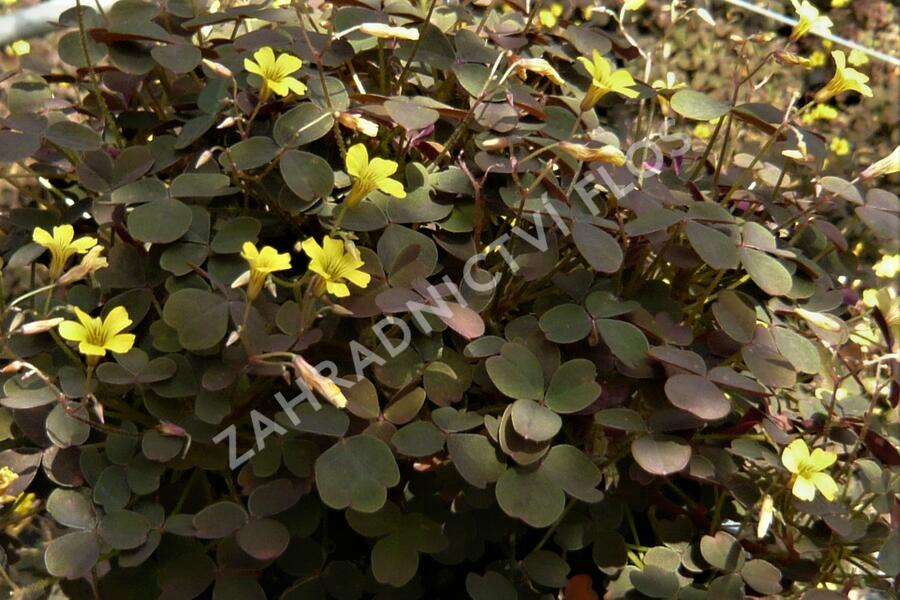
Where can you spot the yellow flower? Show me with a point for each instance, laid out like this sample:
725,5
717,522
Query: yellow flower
633,4
839,3
262,263
370,175
539,66
817,59
24,506
608,153
886,166
7,477
825,112
857,58
62,246
549,17
809,21
888,266
839,146
605,80
20,48
275,74
845,79
335,266
96,335
703,130
807,469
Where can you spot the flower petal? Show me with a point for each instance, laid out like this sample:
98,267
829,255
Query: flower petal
120,343
279,87
72,331
63,234
359,278
252,67
380,168
338,289
794,454
825,484
42,236
265,58
116,321
820,459
333,249
287,64
82,245
804,489
295,85
249,252
392,187
91,349
86,319
357,160
312,249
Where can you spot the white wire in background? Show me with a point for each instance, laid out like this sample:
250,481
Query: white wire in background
834,38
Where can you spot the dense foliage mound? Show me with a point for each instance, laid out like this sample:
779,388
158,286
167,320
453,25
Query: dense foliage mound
344,300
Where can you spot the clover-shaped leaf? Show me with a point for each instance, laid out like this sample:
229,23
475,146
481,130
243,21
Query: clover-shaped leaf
356,472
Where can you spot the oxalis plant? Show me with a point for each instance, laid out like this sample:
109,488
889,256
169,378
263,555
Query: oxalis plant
350,300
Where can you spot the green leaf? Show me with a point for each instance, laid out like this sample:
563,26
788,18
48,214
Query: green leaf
219,520
249,154
307,175
698,396
419,438
766,272
533,421
625,341
160,222
72,555
73,136
573,386
547,569
124,529
715,248
475,458
231,236
394,561
573,471
410,115
661,455
697,105
199,317
722,551
263,539
601,251
356,472
517,372
565,323
200,185
301,125
530,495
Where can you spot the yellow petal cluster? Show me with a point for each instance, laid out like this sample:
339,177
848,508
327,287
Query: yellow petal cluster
275,72
807,470
335,266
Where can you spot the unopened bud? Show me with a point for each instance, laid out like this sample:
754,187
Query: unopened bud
226,123
382,31
218,68
539,66
36,327
608,153
886,166
358,123
321,384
